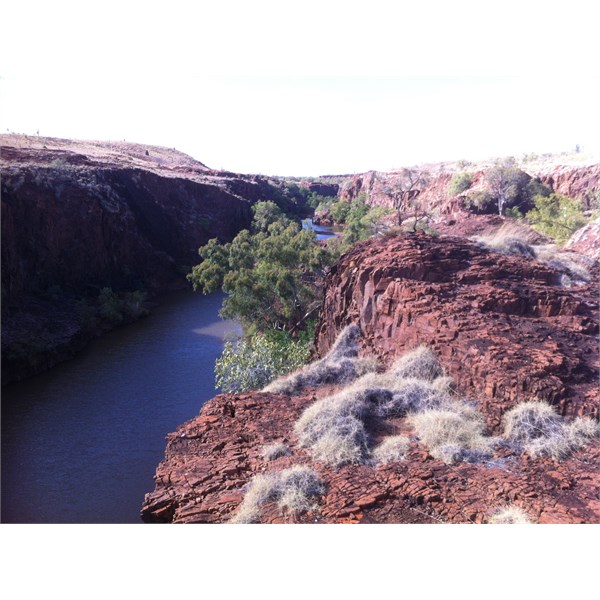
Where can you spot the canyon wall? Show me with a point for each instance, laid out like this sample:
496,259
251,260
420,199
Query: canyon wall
386,188
81,216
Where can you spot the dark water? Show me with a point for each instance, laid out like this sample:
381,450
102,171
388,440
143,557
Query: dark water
80,443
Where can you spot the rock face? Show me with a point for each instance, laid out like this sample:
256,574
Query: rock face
587,240
321,188
211,458
385,188
81,216
582,183
502,326
503,329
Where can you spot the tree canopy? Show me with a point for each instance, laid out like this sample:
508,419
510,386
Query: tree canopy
271,277
511,187
557,216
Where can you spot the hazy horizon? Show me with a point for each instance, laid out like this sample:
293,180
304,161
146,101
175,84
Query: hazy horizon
310,126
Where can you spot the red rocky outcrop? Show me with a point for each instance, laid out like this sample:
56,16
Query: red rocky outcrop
587,240
581,182
502,327
321,188
385,188
210,459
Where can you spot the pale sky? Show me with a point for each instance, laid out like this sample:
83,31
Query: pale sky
312,126
283,91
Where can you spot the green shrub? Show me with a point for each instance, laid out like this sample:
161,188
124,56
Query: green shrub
252,363
481,202
361,221
514,212
111,306
319,202
510,186
460,183
121,308
340,211
272,278
266,213
556,216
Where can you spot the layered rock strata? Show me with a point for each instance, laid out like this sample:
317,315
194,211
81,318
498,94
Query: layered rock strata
502,327
394,190
210,459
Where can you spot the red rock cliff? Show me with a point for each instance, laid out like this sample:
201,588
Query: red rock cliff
503,326
503,329
384,188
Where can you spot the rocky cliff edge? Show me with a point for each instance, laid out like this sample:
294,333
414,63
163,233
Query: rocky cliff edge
502,327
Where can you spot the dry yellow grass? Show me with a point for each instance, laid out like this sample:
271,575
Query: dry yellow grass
295,490
340,366
540,431
509,515
453,435
392,449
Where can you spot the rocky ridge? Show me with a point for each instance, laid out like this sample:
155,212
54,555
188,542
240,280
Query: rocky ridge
502,327
587,240
569,176
211,458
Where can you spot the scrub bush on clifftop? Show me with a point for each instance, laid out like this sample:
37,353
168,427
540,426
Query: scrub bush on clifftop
249,364
539,430
340,365
460,183
557,216
295,490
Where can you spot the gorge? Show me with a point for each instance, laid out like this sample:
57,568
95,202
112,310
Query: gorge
79,217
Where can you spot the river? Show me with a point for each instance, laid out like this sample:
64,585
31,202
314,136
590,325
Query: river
323,233
80,443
